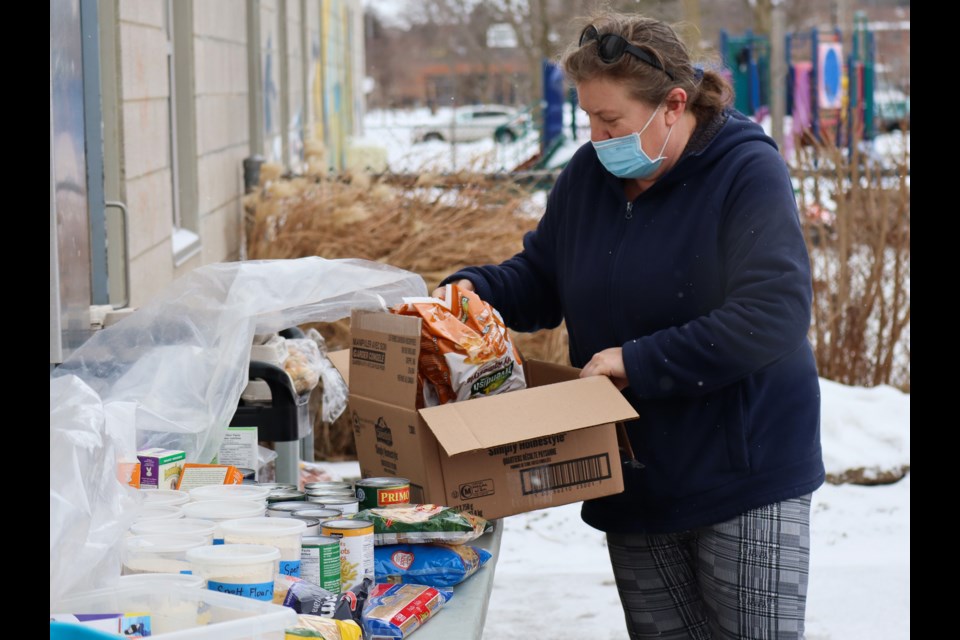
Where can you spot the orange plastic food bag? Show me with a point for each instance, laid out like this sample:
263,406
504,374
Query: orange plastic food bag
465,349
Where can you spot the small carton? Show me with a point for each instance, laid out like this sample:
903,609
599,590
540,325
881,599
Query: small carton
552,443
199,475
160,468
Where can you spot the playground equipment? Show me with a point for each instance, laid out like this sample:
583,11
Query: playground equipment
827,93
746,61
815,84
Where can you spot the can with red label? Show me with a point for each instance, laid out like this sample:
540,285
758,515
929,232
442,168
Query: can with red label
382,492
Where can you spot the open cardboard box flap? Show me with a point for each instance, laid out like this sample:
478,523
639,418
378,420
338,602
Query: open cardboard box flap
341,362
534,412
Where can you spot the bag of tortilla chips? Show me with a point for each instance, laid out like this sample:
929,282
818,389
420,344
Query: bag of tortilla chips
465,348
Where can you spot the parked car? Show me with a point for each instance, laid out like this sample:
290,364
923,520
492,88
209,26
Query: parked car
891,109
504,124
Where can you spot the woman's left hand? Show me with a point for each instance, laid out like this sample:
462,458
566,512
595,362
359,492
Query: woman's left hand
608,362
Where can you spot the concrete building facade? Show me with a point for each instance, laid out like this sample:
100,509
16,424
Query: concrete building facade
155,104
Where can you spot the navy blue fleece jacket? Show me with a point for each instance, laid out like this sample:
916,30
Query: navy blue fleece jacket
704,281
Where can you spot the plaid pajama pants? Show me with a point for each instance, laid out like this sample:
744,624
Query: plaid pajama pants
744,578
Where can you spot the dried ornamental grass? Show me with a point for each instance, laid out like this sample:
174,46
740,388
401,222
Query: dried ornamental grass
425,225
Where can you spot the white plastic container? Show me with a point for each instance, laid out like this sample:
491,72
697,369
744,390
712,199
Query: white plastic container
170,497
283,533
240,569
187,613
158,512
163,580
251,492
220,510
176,527
158,553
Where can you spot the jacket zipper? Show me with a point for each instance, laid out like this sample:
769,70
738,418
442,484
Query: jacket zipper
627,457
628,215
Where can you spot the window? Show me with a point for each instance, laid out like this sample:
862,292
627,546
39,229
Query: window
185,240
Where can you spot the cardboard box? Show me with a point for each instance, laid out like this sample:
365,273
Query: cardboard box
199,475
550,444
160,468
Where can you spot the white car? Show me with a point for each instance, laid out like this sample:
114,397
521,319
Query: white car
504,124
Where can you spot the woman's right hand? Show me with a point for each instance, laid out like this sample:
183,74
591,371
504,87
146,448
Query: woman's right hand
462,284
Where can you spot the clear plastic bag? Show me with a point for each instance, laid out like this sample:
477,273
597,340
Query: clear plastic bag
266,464
335,390
170,375
302,364
90,509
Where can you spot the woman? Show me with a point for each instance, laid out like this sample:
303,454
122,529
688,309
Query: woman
671,247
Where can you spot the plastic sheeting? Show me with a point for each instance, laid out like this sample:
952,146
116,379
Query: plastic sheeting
170,375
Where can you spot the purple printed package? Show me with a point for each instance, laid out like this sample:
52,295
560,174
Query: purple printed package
160,468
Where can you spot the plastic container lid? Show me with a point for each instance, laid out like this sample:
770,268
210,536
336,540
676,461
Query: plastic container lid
218,510
233,554
163,543
158,512
172,497
159,553
177,527
250,492
263,527
171,580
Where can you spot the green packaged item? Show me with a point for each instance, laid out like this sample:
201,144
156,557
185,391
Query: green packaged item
421,523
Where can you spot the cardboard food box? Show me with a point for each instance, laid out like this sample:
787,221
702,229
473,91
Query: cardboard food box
199,475
550,444
160,468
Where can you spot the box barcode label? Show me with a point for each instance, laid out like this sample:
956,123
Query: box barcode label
565,474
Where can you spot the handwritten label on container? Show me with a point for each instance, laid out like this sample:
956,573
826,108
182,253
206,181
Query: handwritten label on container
257,591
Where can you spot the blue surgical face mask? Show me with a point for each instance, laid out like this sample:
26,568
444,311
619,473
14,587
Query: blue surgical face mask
624,156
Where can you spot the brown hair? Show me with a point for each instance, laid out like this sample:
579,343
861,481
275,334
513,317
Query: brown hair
706,96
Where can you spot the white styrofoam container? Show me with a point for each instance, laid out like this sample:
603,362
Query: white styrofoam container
187,613
273,351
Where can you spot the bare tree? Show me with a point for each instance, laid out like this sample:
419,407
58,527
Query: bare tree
762,11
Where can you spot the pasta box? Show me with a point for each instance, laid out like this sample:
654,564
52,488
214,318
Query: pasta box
553,443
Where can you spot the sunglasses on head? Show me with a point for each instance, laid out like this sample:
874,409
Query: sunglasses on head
611,47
